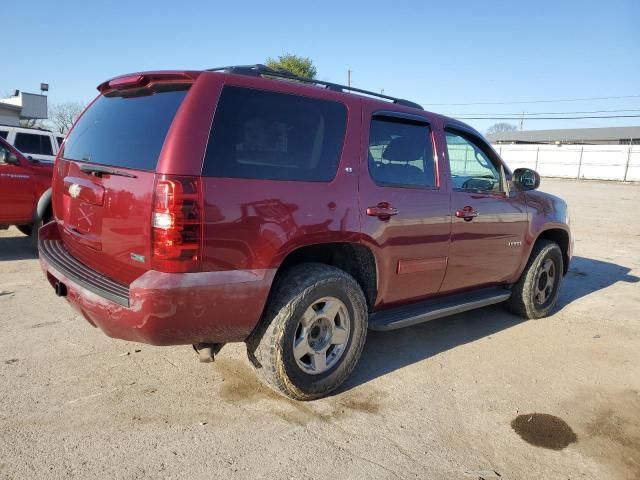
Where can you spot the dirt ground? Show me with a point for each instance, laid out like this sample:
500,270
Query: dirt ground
478,395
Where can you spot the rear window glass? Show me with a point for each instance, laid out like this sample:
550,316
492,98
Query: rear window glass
33,143
268,135
124,131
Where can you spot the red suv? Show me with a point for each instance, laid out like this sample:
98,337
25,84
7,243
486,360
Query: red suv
245,204
25,191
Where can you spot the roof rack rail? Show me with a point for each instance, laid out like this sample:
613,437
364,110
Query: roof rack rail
259,70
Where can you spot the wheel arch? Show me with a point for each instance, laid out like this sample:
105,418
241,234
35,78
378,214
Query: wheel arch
354,258
561,237
43,207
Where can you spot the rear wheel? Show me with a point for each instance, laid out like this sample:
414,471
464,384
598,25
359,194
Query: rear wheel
314,329
536,293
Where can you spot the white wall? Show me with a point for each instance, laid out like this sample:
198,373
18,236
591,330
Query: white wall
594,162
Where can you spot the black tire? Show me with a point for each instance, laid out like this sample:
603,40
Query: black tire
524,300
271,347
25,229
34,234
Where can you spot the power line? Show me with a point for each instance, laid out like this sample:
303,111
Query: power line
532,101
546,113
546,118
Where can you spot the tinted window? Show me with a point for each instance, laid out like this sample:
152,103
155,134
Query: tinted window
60,140
124,131
471,168
267,135
401,153
4,134
33,143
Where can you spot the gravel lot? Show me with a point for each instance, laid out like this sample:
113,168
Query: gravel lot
438,401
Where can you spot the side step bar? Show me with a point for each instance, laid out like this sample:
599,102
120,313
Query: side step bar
407,315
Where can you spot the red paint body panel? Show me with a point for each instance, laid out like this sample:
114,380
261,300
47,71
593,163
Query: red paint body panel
170,308
256,223
419,232
21,186
480,254
250,226
105,225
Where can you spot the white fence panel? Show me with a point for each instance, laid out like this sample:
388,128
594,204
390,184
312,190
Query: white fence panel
596,162
633,172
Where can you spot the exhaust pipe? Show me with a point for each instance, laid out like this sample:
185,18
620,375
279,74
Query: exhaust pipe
60,289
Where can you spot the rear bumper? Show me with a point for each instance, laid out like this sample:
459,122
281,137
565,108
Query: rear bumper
161,308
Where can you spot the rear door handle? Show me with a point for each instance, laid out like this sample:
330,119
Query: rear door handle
467,213
383,211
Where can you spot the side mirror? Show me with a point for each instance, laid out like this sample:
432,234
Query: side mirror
525,179
9,158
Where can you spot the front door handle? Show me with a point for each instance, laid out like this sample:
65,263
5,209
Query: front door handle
383,211
467,213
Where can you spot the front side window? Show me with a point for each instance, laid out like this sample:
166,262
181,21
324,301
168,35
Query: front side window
268,135
33,143
471,168
401,153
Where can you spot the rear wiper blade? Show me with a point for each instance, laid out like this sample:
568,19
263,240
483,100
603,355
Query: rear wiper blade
99,170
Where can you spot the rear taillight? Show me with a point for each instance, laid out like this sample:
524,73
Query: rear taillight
176,224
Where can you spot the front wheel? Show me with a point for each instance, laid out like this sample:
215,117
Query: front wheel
536,293
313,332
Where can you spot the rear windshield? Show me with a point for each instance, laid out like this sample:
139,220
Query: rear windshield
124,131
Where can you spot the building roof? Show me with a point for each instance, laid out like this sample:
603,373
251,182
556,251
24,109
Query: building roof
568,135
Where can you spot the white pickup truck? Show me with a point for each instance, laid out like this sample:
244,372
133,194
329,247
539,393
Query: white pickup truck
42,145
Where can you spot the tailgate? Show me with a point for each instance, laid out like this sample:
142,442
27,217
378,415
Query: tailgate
104,180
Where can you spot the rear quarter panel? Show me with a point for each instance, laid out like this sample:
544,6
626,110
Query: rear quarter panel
255,224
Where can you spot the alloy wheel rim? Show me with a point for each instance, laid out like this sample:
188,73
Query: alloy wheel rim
545,282
322,335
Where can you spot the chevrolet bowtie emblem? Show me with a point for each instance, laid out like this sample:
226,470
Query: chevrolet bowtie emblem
74,190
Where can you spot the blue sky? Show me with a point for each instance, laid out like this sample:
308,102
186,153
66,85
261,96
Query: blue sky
429,52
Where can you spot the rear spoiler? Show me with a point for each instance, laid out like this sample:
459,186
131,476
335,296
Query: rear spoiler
145,79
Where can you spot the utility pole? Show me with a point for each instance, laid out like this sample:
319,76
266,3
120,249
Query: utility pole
521,121
349,78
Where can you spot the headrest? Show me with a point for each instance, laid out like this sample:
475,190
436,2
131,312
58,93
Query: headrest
405,149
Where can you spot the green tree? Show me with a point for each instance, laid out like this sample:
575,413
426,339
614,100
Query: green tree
300,66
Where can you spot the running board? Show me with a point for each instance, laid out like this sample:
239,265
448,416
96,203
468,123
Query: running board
407,315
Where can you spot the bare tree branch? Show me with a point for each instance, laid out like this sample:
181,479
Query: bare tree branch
63,115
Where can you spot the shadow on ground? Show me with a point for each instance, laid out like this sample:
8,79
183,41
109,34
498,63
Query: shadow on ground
16,248
386,352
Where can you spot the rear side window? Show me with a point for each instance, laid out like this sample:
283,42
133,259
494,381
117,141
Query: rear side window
267,135
401,153
124,131
33,143
4,134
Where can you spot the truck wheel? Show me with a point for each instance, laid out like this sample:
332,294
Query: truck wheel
34,233
536,292
312,334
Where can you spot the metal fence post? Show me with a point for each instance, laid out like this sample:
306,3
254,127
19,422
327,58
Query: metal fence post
580,164
537,155
626,169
